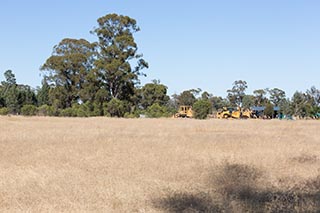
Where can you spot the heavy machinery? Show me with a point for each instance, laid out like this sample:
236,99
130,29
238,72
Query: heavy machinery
224,112
184,112
247,113
236,113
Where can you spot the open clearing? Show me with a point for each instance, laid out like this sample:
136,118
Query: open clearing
158,165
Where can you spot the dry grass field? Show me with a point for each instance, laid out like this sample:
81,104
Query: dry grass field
158,165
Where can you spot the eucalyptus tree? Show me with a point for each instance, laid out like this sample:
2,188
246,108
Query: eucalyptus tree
187,97
26,95
300,104
2,101
286,107
276,95
248,101
43,94
9,92
237,92
218,102
118,63
260,98
66,70
153,93
314,96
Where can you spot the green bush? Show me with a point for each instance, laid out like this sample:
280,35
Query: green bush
68,112
29,110
201,109
45,110
97,109
4,111
157,111
91,109
269,110
115,108
77,110
80,110
131,115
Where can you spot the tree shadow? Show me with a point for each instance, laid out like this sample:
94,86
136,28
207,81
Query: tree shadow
187,203
242,188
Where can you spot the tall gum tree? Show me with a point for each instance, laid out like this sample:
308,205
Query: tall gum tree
9,92
237,93
118,63
66,70
276,96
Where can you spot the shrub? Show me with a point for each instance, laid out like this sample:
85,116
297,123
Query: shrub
98,109
80,110
91,109
4,111
29,110
269,111
201,109
157,111
131,115
43,110
115,108
68,112
46,110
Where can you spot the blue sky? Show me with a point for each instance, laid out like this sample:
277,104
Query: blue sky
205,44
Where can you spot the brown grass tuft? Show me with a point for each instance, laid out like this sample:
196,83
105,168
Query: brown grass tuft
307,159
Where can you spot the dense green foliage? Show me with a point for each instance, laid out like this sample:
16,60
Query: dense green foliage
187,97
157,111
201,109
276,96
269,110
248,101
28,110
117,52
4,111
66,72
153,93
14,96
116,108
260,97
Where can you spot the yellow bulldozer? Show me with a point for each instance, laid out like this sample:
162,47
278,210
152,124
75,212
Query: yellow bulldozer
247,113
224,113
184,112
229,112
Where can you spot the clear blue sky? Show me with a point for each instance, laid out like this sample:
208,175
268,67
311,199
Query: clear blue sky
205,44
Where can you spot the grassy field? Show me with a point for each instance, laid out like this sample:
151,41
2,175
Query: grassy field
158,165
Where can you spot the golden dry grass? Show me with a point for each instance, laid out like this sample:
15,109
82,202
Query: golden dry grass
153,165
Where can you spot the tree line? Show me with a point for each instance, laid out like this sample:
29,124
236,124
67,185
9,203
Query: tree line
102,78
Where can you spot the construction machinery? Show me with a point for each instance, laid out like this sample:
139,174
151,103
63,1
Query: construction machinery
224,112
247,113
184,112
237,113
